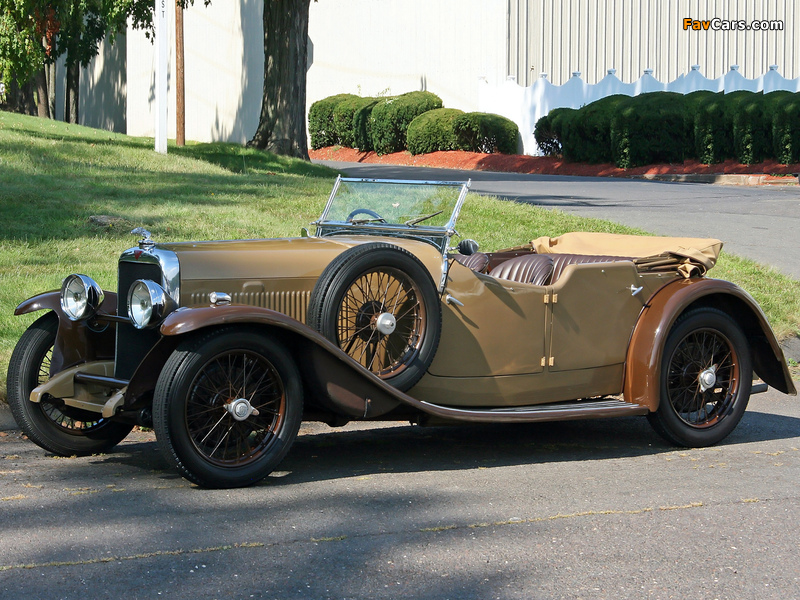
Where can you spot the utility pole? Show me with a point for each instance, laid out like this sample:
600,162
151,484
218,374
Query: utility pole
180,90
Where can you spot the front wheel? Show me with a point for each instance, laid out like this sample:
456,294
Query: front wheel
706,376
227,407
51,424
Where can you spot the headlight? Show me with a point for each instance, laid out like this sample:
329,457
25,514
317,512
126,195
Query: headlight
80,297
148,303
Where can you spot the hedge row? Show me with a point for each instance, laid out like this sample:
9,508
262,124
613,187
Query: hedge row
415,121
669,127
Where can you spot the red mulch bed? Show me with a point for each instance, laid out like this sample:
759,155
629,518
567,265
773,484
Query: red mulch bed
544,165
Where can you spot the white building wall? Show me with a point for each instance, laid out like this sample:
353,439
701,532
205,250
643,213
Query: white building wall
390,47
224,73
559,37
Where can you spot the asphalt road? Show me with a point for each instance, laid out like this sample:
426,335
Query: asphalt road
761,222
590,509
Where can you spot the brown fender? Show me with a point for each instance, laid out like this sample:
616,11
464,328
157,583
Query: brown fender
76,341
334,380
643,364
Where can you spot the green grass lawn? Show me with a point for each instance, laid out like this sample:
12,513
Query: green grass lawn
54,176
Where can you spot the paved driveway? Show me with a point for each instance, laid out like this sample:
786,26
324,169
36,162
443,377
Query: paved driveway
588,509
761,223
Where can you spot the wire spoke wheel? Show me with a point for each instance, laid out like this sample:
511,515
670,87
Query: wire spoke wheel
377,302
227,407
703,377
381,321
212,424
50,423
706,376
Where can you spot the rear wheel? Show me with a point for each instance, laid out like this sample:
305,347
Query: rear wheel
56,427
706,376
227,407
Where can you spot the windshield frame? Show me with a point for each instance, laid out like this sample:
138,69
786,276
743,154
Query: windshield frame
439,236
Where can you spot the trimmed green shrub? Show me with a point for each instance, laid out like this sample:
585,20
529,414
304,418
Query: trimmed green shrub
588,136
343,119
362,125
484,132
545,137
560,122
433,131
692,103
713,138
786,129
391,117
649,128
321,128
751,130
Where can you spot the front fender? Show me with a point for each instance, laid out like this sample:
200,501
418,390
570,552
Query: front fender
335,380
643,364
76,341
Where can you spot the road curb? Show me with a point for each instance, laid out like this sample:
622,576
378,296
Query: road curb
721,178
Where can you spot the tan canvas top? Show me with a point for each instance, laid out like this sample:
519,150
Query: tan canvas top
688,255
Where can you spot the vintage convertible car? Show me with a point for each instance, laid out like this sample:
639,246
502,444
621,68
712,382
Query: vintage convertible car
225,347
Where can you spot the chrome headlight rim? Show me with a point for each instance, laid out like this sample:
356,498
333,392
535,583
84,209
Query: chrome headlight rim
148,304
81,297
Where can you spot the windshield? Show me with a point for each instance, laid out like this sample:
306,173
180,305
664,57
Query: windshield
430,205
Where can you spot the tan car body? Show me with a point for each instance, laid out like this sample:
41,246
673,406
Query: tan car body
508,351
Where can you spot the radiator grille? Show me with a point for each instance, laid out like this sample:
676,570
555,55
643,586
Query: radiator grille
132,343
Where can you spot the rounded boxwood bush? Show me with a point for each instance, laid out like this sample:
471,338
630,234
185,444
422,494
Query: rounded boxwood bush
588,137
786,129
545,137
485,132
649,128
362,124
391,117
321,128
343,119
433,131
692,103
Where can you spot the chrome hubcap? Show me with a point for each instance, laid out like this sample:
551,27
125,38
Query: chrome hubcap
240,409
386,323
708,378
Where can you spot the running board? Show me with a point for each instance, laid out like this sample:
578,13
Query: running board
561,411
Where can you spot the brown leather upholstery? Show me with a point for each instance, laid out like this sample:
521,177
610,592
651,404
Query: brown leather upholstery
529,268
560,262
477,261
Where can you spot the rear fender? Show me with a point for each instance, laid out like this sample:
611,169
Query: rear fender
77,342
643,364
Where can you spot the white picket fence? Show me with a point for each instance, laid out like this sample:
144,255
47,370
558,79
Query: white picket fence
526,105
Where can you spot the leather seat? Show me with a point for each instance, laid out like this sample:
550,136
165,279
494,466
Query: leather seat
477,261
534,269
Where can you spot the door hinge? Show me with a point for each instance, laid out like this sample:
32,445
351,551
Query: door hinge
552,361
544,361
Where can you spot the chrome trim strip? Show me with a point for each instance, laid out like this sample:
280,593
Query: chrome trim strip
167,260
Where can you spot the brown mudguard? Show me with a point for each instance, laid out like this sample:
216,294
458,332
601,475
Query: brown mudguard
643,365
76,341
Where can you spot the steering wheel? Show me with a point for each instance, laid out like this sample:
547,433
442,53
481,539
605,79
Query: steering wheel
365,211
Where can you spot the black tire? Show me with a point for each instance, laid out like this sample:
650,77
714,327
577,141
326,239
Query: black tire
703,343
368,282
203,380
60,429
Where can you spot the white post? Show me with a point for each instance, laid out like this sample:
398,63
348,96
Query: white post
162,58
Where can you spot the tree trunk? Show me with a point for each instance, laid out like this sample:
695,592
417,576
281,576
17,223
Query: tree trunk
51,89
282,124
73,89
19,98
42,105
